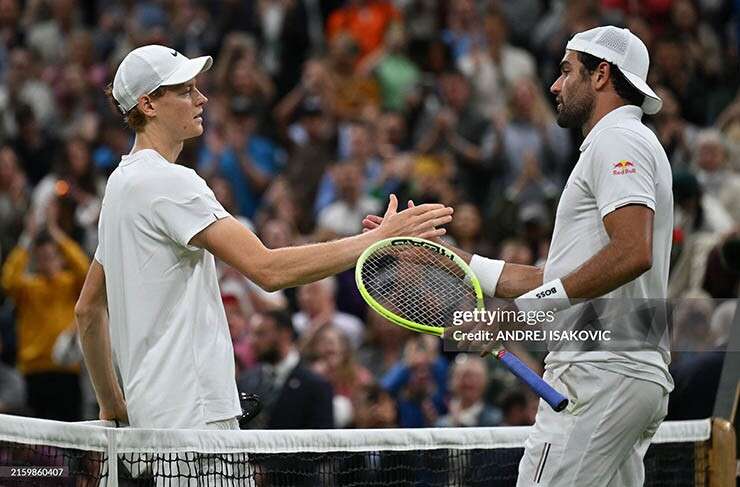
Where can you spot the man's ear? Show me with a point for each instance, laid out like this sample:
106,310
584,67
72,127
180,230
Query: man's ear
601,75
146,107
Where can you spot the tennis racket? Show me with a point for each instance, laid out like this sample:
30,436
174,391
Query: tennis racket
419,285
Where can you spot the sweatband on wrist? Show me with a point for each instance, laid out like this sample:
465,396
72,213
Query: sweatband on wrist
488,272
550,296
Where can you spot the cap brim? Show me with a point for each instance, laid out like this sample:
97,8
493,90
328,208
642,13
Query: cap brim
652,103
189,70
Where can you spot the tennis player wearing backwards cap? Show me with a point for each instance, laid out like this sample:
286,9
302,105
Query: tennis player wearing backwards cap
612,239
154,276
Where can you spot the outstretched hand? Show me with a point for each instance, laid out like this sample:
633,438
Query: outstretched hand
371,222
416,221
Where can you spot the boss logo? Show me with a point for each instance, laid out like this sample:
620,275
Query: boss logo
438,250
546,292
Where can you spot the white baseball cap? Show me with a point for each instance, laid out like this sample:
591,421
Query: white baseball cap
624,49
146,68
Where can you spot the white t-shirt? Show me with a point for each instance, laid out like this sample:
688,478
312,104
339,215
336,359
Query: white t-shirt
621,163
168,326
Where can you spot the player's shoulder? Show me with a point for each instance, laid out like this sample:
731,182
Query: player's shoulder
628,133
161,176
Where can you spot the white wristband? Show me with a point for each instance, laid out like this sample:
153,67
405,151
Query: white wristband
550,296
488,272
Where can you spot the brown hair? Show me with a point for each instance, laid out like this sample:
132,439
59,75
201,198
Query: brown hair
134,118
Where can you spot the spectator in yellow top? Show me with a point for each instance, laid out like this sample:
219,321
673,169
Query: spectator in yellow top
45,297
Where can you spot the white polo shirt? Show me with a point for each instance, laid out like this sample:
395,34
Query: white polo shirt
621,163
168,326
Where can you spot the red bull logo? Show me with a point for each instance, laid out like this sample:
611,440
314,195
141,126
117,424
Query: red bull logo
624,167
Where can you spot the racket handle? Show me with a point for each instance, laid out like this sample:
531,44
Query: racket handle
552,397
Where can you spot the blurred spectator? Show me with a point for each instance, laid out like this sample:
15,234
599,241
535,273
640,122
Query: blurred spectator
14,200
23,88
287,31
333,358
364,21
396,74
239,330
79,190
699,221
353,92
375,408
12,389
314,90
49,37
692,314
12,33
45,301
418,383
715,173
468,381
516,251
465,229
535,146
343,217
307,162
361,149
293,397
676,135
462,30
247,160
453,124
697,368
494,66
518,409
383,345
318,309
238,71
722,277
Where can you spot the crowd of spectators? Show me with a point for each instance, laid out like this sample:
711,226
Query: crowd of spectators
317,111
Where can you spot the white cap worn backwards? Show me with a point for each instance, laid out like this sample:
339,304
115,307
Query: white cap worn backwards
624,49
147,68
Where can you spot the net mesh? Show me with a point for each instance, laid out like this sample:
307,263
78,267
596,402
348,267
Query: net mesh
467,457
418,284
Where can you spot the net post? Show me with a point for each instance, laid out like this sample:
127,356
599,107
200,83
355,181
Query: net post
722,454
112,436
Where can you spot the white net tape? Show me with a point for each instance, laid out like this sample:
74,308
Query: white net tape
182,457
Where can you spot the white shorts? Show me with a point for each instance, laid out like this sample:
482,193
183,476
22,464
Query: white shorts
601,438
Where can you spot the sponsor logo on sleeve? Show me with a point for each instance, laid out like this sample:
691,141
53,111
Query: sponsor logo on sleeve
623,167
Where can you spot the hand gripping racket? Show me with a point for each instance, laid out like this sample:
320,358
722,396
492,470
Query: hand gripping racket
419,285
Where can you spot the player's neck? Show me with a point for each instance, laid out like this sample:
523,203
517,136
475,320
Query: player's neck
601,109
158,140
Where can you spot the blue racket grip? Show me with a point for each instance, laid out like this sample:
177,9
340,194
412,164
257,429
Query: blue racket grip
552,397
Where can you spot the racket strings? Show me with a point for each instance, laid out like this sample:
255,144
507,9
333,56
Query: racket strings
418,284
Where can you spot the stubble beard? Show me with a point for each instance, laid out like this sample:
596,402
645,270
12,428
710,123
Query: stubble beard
577,112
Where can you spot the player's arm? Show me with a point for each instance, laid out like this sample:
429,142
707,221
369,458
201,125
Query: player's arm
91,313
274,269
628,254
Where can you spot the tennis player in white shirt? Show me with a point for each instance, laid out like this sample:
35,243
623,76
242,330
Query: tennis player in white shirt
612,239
153,279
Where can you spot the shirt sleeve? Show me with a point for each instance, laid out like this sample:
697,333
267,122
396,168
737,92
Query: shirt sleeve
622,171
187,206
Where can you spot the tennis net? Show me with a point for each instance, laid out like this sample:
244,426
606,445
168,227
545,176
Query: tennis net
49,453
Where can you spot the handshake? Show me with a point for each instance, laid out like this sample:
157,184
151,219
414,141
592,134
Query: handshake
416,221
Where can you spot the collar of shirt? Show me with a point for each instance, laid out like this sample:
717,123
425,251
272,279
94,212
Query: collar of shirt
611,119
285,367
469,416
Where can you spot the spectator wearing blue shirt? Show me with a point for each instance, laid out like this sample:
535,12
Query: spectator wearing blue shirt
418,384
247,160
